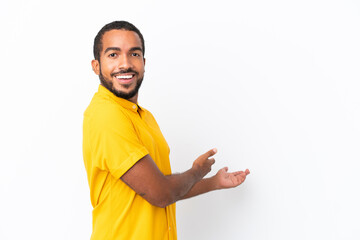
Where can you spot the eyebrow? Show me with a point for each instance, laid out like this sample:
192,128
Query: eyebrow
112,49
118,49
136,49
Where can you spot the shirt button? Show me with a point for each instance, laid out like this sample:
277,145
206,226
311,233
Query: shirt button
134,107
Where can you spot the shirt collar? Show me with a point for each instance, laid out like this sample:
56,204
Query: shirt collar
123,102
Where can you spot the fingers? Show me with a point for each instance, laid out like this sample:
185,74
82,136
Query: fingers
238,173
242,172
211,161
210,153
202,165
240,179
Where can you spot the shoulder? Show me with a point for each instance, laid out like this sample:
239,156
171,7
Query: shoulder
105,112
149,117
147,113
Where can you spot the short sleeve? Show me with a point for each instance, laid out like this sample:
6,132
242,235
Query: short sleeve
114,141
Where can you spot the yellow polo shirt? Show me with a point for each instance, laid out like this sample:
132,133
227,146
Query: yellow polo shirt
116,134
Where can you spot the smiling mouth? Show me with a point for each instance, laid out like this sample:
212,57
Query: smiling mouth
125,78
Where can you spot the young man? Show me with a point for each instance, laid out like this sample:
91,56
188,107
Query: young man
126,157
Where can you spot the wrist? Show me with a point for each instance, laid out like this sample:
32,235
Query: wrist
195,173
214,184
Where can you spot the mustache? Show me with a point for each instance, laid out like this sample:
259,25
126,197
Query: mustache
129,70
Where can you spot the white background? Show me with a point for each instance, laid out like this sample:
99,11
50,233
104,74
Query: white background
274,85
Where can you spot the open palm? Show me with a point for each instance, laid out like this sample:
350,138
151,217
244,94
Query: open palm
225,179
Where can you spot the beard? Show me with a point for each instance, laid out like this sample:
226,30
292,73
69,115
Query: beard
110,86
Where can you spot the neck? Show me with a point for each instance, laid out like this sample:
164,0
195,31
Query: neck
134,99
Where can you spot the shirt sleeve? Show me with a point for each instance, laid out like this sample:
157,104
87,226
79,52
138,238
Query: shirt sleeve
114,140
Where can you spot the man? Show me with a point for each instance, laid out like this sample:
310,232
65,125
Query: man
126,157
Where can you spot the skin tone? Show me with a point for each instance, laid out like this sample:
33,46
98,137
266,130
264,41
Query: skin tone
122,63
121,68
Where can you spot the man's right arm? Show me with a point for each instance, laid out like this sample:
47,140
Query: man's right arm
148,181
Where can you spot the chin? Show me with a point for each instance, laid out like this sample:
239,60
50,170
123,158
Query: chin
125,90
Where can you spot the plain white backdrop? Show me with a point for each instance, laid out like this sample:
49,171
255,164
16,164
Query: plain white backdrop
274,85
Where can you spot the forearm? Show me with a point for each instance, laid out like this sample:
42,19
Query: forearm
203,186
148,181
179,185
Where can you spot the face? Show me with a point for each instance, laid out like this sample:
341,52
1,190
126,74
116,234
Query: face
121,65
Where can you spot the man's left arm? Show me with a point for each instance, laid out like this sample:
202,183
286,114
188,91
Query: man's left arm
222,180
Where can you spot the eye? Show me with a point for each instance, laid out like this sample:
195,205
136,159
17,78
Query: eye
135,55
112,55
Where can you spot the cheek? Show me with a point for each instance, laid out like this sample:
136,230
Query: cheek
141,68
107,68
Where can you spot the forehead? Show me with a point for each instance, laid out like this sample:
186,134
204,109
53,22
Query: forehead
122,39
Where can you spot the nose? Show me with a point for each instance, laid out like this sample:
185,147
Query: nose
124,62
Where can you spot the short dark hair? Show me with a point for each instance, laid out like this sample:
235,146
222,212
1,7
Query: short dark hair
111,26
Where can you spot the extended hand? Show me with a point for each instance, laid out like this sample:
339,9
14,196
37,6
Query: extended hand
224,179
202,165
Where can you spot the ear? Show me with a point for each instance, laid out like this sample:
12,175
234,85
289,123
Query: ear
144,64
95,66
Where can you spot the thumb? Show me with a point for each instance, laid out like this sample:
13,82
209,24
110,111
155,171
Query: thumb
225,169
210,153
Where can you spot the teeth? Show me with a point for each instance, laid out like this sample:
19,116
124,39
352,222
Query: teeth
124,77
